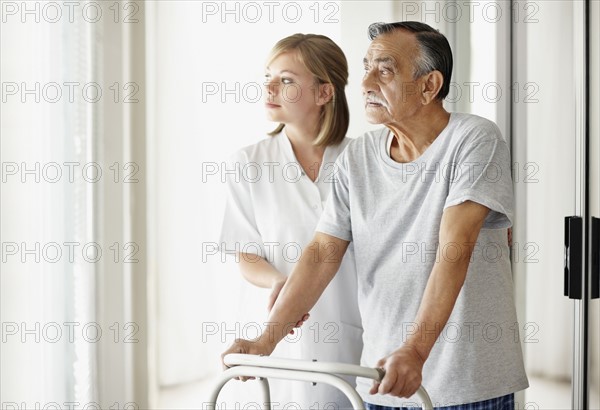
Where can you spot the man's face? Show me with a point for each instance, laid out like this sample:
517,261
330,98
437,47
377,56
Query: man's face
390,93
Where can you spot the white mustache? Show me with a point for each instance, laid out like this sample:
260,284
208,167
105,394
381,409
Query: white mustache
376,100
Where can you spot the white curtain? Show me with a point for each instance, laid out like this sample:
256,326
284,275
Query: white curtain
47,281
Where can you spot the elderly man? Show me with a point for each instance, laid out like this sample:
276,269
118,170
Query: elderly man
427,200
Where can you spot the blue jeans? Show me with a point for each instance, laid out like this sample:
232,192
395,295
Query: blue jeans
499,403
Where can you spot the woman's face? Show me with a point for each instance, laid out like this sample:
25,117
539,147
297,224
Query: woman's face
291,91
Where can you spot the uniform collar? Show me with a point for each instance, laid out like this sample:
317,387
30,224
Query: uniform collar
329,155
286,145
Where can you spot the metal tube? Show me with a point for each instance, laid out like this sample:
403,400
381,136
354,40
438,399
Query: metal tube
300,375
264,383
236,359
292,369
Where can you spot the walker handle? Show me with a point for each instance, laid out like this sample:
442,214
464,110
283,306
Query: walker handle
326,368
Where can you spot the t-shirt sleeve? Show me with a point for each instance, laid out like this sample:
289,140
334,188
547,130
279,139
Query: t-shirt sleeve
336,220
239,230
482,174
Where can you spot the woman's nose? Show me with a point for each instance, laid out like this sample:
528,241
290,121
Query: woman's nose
271,86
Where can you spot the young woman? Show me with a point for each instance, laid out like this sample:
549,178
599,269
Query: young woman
275,202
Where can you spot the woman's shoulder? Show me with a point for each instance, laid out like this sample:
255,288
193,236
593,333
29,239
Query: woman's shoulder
262,150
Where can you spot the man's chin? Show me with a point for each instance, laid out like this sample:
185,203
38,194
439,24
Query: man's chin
374,119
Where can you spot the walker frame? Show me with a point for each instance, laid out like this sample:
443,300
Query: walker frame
264,367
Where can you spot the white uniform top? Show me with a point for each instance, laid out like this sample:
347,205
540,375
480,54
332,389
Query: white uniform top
272,210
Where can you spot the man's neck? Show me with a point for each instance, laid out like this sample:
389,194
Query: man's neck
412,139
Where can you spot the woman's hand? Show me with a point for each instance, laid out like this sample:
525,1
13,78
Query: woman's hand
403,373
275,290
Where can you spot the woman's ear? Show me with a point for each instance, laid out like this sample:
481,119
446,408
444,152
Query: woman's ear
325,93
431,86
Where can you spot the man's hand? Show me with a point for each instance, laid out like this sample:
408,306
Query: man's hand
275,289
403,373
258,346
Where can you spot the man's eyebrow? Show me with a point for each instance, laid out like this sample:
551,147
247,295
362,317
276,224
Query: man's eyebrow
380,60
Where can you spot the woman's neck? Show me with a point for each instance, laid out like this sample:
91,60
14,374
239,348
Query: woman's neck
302,139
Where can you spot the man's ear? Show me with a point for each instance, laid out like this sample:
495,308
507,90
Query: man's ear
325,93
431,84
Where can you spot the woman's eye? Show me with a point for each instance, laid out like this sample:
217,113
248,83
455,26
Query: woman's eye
286,80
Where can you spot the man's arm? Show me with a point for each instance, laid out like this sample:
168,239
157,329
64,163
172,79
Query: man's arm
318,264
258,271
460,226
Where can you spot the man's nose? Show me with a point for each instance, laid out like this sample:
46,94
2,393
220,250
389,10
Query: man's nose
368,82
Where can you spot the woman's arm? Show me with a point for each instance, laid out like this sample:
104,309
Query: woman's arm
258,271
261,273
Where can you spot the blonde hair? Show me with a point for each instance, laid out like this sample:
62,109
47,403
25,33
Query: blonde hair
326,61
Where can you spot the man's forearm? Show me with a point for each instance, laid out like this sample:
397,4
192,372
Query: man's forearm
318,264
460,229
440,295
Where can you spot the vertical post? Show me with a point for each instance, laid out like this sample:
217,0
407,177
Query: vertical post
136,203
579,389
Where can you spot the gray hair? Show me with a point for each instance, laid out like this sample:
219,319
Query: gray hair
435,52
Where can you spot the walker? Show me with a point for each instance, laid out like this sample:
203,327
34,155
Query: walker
263,367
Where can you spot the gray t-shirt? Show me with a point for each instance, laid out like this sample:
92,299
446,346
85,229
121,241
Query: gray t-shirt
392,213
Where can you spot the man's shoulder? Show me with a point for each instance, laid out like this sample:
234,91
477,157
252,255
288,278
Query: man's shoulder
471,126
